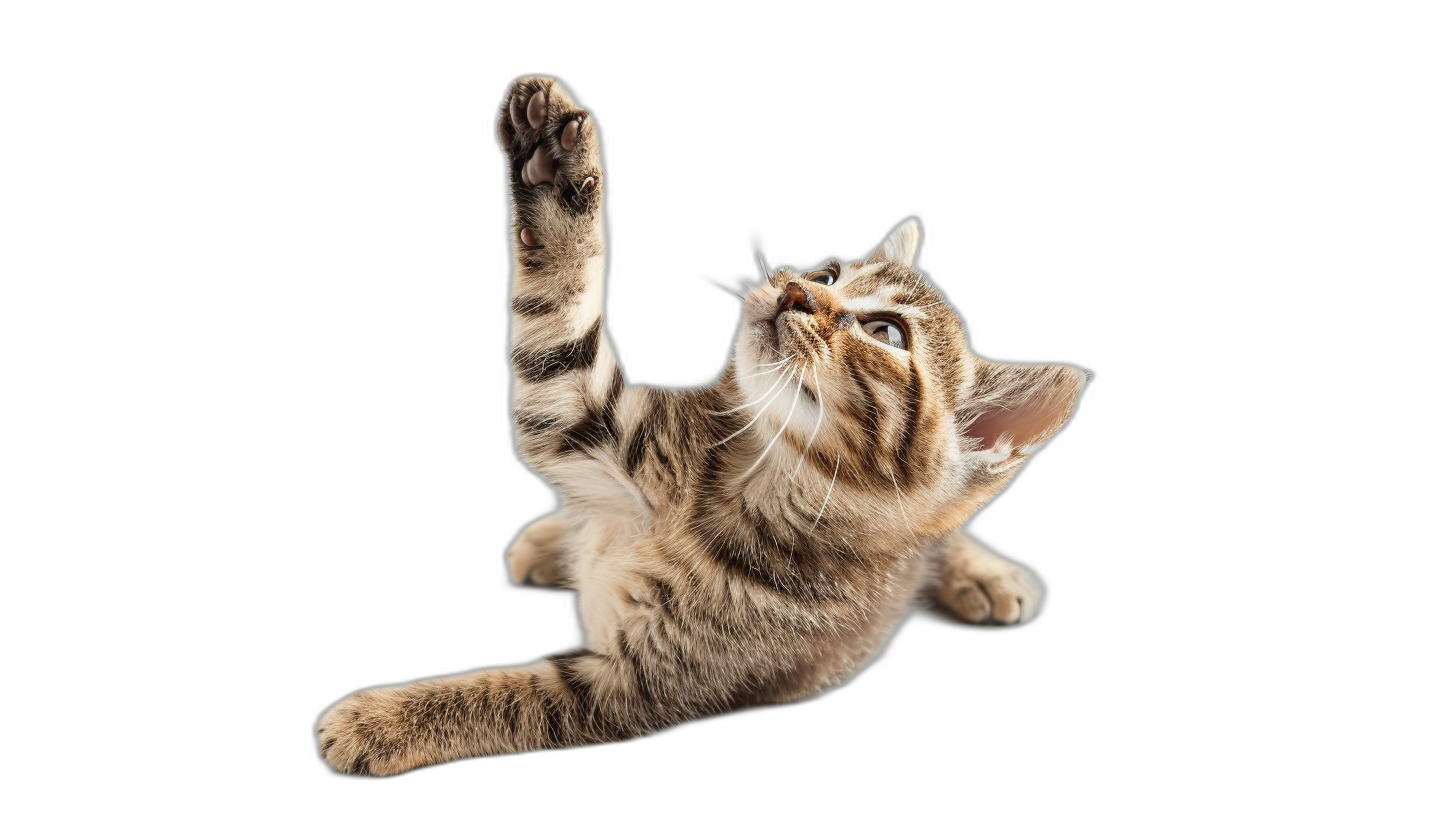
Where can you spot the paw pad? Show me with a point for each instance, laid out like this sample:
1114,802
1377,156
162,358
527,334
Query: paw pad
536,110
541,169
553,155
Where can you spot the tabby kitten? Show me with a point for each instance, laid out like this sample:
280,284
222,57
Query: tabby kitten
750,542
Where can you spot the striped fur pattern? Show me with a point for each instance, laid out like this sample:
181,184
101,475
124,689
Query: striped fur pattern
750,542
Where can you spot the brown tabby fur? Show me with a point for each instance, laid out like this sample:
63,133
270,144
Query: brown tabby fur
750,542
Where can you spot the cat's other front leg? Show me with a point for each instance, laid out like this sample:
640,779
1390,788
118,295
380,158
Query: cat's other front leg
979,586
567,381
538,555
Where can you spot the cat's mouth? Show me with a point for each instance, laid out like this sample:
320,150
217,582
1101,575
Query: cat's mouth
795,332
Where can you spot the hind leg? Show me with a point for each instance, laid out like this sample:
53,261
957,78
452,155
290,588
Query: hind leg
979,586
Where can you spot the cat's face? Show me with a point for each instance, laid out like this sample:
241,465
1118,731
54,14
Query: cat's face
863,372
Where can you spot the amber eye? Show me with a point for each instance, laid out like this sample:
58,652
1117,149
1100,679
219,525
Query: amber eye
825,278
886,331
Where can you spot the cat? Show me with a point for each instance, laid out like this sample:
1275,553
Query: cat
754,541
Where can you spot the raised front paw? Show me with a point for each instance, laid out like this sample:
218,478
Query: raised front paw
368,733
555,168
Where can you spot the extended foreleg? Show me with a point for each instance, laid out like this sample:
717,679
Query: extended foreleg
566,377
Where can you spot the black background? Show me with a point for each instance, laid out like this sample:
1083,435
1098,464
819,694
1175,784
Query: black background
1043,195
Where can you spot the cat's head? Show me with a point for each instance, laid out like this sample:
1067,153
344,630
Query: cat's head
865,375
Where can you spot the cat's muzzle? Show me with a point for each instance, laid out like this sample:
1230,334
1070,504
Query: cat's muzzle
796,298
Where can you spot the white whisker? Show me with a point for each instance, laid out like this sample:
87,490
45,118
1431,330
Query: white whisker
818,397
849,551
901,499
787,419
832,480
787,380
762,264
725,287
755,402
777,367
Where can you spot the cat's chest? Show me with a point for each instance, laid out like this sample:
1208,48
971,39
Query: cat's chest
596,485
606,565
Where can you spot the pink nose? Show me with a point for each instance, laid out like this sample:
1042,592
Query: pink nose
796,297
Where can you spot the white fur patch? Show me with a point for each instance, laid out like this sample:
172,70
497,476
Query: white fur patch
598,485
605,565
877,301
588,306
560,396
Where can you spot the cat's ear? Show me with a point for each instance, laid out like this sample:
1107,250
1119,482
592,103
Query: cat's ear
901,245
1022,405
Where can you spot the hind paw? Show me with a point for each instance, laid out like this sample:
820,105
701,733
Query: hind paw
979,586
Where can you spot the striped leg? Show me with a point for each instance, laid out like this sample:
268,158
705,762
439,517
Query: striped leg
566,387
566,376
577,698
980,586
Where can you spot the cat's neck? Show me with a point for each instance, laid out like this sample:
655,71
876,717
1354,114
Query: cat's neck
790,476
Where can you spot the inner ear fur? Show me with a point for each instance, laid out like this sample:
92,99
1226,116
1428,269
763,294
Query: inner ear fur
1023,403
